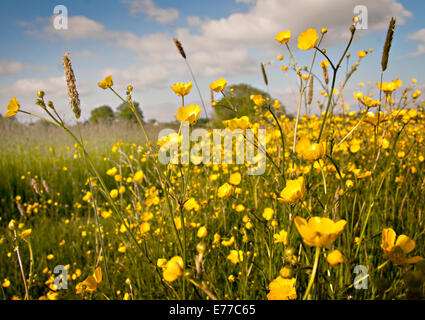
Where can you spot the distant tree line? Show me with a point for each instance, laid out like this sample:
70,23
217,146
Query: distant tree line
239,95
123,113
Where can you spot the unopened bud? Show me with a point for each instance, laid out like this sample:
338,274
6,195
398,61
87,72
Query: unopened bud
200,247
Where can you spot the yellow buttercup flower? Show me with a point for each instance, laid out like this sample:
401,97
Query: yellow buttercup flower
202,232
227,243
362,54
145,227
6,283
25,233
325,63
235,178
182,89
191,204
235,256
138,176
335,258
389,87
161,262
113,193
173,269
106,83
293,192
218,85
372,118
12,224
225,191
190,113
310,151
87,196
171,139
396,250
282,289
237,123
268,213
258,100
283,36
285,272
319,231
281,237
308,39
91,283
12,107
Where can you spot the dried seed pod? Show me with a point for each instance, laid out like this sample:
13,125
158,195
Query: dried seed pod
310,90
212,97
325,74
45,186
263,71
20,208
179,47
72,89
387,45
35,186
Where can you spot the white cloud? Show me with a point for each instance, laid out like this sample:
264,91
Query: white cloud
79,27
194,21
418,36
148,7
85,54
267,17
212,49
11,67
153,76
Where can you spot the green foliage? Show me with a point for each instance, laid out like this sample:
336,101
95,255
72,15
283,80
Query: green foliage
240,98
103,113
124,112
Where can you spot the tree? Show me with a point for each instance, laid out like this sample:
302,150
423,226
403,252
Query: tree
100,114
240,98
124,112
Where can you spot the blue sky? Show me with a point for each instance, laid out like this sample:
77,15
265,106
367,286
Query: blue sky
132,41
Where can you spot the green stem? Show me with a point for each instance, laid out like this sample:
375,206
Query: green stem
184,248
335,70
40,117
313,273
282,138
197,87
21,267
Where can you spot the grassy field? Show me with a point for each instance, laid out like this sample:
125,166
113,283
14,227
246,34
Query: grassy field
337,214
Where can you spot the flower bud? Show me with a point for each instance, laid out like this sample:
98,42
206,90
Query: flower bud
289,252
200,247
12,224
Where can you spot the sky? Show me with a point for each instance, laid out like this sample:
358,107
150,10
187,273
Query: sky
132,40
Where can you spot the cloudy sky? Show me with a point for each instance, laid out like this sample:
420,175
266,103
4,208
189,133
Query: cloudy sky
132,41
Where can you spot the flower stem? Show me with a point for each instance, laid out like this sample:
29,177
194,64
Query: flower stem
313,273
27,297
184,248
